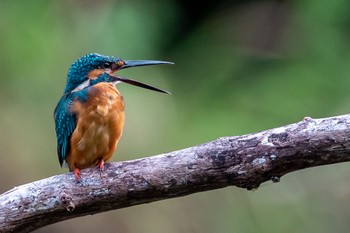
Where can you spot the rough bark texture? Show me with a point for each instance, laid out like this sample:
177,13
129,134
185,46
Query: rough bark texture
244,161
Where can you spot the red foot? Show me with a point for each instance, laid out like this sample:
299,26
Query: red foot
101,165
77,174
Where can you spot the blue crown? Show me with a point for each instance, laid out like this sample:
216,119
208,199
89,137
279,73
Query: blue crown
78,71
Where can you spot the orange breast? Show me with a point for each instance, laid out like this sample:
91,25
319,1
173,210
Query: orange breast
100,122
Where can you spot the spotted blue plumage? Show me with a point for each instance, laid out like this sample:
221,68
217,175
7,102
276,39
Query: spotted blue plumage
65,125
79,70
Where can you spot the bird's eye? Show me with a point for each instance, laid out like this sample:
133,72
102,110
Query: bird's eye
106,65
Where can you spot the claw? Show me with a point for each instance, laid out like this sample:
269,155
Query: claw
101,165
77,174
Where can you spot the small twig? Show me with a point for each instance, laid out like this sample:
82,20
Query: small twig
244,161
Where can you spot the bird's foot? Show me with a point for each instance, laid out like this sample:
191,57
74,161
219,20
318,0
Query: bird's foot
101,165
77,174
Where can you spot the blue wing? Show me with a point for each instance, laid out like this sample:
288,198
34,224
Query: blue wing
65,123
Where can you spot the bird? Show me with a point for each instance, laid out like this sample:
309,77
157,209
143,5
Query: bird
89,117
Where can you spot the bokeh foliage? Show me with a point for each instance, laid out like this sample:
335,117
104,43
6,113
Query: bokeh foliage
241,67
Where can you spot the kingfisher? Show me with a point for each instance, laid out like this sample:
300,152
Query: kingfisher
89,117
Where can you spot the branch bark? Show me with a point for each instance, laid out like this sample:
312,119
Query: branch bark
243,161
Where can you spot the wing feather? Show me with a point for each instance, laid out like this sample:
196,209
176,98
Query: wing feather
65,123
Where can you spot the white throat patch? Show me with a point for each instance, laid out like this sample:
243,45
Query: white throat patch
86,83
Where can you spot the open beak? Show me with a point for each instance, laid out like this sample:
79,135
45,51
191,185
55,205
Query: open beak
134,63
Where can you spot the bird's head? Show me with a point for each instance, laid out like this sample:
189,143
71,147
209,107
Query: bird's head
94,68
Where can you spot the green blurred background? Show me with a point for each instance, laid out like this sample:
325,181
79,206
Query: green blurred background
241,67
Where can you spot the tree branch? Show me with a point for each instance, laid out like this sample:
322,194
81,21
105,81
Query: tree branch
244,161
